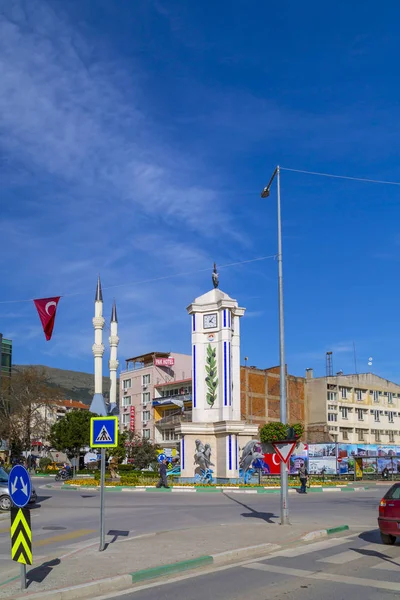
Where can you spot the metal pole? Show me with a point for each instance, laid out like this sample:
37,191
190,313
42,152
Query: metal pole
282,365
102,482
23,576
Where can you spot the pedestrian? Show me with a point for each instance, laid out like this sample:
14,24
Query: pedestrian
303,475
163,475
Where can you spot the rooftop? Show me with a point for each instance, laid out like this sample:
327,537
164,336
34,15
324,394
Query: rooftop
148,357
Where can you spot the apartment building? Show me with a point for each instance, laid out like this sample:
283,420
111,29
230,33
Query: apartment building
172,404
139,387
352,408
260,396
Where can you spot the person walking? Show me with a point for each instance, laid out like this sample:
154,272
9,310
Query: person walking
163,475
303,475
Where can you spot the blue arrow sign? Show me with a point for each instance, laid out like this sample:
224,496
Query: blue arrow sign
104,432
19,486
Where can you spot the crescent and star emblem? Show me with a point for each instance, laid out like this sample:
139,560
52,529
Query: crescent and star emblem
52,303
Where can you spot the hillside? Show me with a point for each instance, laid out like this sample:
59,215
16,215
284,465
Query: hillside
74,385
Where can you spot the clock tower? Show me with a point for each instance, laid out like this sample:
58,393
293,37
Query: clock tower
215,323
216,434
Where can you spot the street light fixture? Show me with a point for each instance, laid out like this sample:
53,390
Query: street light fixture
282,367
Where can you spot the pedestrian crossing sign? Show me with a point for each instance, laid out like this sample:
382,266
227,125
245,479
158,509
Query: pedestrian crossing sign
104,432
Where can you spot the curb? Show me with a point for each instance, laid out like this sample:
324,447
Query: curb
208,490
314,535
125,582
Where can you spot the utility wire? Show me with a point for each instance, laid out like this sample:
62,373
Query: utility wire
163,278
341,176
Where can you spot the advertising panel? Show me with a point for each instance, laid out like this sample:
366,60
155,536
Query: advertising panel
369,465
322,465
297,459
132,419
386,451
321,450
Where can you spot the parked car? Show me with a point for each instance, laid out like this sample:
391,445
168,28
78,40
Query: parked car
389,515
5,500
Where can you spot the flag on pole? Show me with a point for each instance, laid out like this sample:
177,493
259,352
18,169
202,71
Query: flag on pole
47,308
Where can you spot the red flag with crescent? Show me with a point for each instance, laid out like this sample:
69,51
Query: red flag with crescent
47,308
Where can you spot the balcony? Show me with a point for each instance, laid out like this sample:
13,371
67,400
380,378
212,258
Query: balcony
172,400
171,420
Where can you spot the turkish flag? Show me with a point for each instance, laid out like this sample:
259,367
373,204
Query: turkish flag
47,308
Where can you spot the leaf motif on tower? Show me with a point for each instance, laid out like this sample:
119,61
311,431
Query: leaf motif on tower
211,378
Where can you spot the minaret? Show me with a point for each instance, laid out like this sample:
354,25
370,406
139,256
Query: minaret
113,363
98,405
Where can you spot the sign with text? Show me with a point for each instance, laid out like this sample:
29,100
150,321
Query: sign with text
164,362
132,419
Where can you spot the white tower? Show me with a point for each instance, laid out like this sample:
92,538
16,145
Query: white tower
113,363
216,357
98,405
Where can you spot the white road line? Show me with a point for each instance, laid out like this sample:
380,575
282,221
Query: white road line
309,548
341,558
387,566
334,577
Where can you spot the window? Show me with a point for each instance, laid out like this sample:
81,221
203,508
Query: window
376,395
344,392
127,384
126,419
360,414
391,436
332,396
376,416
390,398
345,434
146,415
359,394
146,379
146,434
377,436
345,411
126,401
332,407
332,417
145,397
391,417
360,434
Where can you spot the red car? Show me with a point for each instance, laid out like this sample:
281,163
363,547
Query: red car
389,515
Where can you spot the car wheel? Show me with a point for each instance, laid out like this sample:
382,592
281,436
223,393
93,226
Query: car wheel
5,503
388,539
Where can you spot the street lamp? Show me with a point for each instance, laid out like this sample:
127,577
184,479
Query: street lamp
282,370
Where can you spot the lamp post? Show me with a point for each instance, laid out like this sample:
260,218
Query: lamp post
282,370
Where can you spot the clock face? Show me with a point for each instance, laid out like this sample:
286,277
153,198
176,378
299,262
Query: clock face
210,321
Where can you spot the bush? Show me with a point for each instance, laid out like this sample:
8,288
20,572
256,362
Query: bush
44,464
277,432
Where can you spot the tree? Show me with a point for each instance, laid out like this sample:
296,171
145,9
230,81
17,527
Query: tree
23,398
120,451
141,451
71,433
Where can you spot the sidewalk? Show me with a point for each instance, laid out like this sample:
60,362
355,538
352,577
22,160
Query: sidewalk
125,556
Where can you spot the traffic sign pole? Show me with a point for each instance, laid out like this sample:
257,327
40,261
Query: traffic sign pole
23,577
102,482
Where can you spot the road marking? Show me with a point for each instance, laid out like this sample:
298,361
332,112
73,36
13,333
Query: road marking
387,566
383,585
309,548
63,537
341,558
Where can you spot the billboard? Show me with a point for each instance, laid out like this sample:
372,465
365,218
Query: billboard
321,450
164,362
322,465
132,419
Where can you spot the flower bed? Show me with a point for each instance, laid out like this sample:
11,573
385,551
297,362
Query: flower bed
130,483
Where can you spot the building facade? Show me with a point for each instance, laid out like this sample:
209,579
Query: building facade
172,404
352,408
139,388
260,396
5,356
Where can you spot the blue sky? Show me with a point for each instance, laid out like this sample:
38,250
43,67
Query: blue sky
135,138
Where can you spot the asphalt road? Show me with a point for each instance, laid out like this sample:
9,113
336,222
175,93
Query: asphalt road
355,566
64,519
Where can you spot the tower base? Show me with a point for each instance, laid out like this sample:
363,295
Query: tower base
226,439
